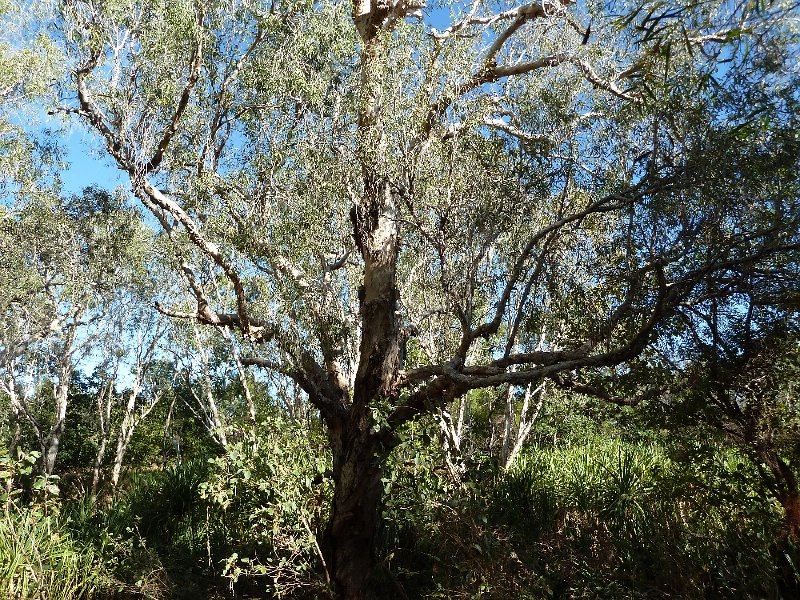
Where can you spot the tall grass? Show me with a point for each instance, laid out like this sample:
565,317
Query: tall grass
617,520
39,558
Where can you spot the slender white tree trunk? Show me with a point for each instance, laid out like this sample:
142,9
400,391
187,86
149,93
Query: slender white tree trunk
527,417
10,389
251,407
130,419
508,423
209,403
125,433
61,398
104,402
452,435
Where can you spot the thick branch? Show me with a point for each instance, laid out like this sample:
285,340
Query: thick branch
321,393
567,383
449,381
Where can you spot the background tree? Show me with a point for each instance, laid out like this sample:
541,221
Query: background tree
64,262
741,382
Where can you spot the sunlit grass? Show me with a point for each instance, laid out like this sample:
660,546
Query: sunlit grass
40,559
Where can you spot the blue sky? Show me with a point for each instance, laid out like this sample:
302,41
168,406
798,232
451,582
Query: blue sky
88,165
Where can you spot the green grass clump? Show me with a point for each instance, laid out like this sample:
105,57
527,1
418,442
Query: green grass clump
39,558
611,519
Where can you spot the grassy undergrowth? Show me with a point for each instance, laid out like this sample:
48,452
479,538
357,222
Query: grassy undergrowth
40,558
595,518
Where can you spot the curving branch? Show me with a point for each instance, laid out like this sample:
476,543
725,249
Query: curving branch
183,101
314,382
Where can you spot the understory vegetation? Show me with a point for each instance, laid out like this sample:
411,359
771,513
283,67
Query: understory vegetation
593,508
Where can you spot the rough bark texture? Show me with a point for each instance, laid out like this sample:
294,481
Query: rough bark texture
350,536
785,551
788,495
791,510
349,542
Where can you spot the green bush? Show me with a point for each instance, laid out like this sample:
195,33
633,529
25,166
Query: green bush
268,506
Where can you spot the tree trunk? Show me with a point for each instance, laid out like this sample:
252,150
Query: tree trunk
791,513
526,422
789,498
214,423
61,397
786,490
53,441
98,463
508,423
119,455
452,435
125,432
129,424
351,534
251,406
104,400
15,420
16,434
349,543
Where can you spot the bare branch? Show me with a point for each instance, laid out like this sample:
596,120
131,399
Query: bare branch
313,381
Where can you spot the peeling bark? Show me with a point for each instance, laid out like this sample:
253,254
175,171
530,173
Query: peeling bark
786,489
452,437
104,401
791,511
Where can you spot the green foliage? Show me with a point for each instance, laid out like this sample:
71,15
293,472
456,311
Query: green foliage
39,556
270,505
246,520
166,506
437,538
600,506
592,516
29,62
611,519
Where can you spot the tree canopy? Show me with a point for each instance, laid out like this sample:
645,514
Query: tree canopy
393,204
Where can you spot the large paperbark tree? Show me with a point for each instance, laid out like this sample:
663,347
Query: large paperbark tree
398,205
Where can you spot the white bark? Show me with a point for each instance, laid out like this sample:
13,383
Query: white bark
52,443
248,395
452,434
9,388
527,417
134,414
206,400
105,398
